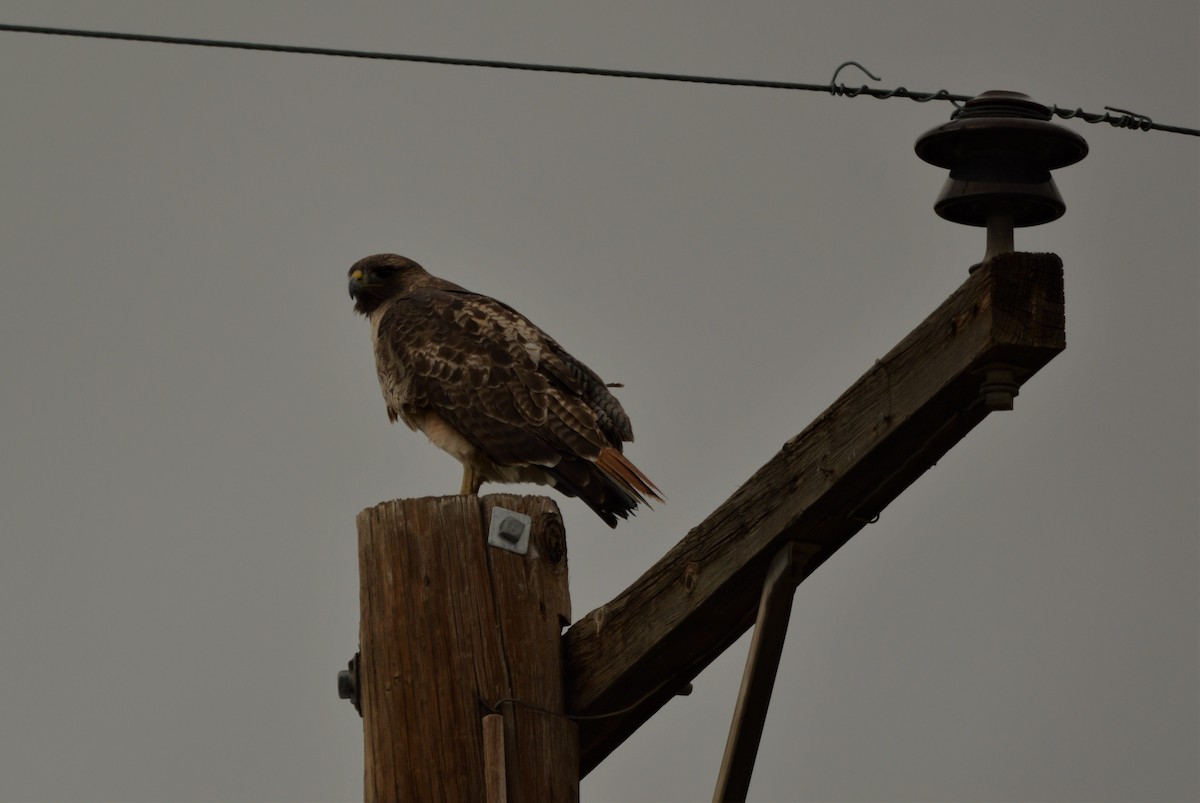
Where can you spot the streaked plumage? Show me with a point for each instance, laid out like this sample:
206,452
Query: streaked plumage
493,390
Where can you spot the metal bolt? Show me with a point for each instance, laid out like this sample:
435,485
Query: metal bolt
999,389
511,529
346,687
347,682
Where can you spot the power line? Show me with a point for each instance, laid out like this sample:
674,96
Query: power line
501,65
1124,119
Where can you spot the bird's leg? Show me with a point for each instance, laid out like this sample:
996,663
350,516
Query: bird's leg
471,481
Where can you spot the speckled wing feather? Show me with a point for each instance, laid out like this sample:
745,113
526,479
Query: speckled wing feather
511,391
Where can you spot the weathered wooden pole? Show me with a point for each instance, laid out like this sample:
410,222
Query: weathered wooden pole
454,632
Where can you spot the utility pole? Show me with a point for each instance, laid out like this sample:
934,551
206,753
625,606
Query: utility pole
460,674
468,690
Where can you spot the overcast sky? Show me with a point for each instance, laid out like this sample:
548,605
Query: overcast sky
191,419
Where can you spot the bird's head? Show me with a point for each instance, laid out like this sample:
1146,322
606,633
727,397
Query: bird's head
375,279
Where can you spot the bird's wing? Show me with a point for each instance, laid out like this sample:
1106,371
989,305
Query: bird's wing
562,368
494,377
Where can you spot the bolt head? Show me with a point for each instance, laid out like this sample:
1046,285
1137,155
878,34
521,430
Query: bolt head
346,684
998,390
511,529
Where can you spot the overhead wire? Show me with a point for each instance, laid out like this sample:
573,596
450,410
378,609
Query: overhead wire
1124,119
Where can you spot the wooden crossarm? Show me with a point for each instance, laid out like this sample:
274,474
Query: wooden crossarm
631,655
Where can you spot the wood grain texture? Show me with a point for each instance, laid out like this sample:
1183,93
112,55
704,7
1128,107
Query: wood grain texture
450,627
495,777
822,487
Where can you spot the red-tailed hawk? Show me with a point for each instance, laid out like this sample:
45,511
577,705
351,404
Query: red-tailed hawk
493,390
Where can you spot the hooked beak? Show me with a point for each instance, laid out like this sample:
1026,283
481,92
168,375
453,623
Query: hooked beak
356,282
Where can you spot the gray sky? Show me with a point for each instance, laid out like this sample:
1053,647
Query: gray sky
191,419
